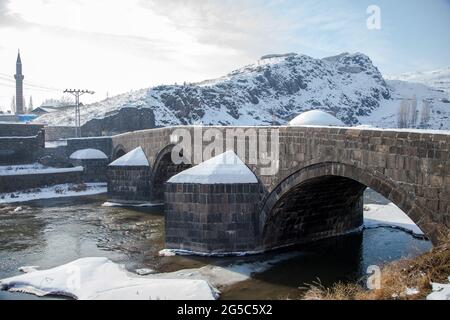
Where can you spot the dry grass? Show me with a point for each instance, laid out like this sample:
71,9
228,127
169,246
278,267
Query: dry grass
396,277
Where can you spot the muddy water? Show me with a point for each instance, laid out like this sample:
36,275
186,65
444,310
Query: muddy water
49,233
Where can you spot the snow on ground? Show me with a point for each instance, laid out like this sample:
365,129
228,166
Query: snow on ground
440,291
135,157
33,168
56,191
56,144
316,117
102,279
88,154
377,215
225,168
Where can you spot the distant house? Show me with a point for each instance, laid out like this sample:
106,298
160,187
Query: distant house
43,110
49,108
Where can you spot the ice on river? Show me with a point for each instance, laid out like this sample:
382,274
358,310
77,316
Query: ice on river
378,215
102,279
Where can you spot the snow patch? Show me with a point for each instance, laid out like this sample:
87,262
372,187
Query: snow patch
141,205
102,279
440,291
376,215
183,252
411,291
85,154
145,271
316,118
135,157
221,276
225,168
55,144
28,269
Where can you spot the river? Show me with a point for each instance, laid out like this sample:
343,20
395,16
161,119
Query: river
48,233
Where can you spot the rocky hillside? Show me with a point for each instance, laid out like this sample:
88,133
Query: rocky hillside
272,91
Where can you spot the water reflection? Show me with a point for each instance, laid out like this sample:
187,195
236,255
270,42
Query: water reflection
345,259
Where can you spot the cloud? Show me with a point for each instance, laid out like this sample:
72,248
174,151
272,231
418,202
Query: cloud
248,26
6,17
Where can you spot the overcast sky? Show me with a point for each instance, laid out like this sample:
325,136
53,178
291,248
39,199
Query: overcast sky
113,46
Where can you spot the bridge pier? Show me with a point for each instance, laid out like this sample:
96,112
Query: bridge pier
212,218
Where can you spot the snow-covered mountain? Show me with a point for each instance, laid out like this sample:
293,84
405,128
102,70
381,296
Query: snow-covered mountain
438,79
274,90
387,115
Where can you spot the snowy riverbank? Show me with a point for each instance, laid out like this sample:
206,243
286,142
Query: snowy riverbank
56,191
34,168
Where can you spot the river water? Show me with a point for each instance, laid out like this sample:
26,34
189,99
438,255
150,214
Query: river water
48,233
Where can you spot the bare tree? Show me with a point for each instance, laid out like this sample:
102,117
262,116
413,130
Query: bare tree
66,101
30,104
403,115
425,114
413,111
62,102
13,104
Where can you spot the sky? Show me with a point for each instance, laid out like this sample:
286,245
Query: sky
114,46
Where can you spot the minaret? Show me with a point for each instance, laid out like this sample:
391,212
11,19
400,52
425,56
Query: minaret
19,85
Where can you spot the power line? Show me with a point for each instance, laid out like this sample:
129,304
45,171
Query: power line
77,93
30,84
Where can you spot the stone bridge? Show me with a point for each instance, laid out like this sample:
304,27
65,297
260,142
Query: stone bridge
318,189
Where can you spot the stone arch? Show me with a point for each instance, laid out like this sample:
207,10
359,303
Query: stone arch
320,178
119,151
163,170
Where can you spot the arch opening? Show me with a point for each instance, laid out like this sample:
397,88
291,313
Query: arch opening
318,179
314,209
119,152
164,169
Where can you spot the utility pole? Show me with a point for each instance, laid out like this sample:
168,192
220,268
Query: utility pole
77,93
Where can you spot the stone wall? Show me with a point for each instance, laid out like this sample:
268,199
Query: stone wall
5,117
219,218
20,143
54,157
129,185
94,169
27,181
54,133
19,129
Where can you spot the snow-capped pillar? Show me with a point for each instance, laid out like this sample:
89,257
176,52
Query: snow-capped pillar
212,208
